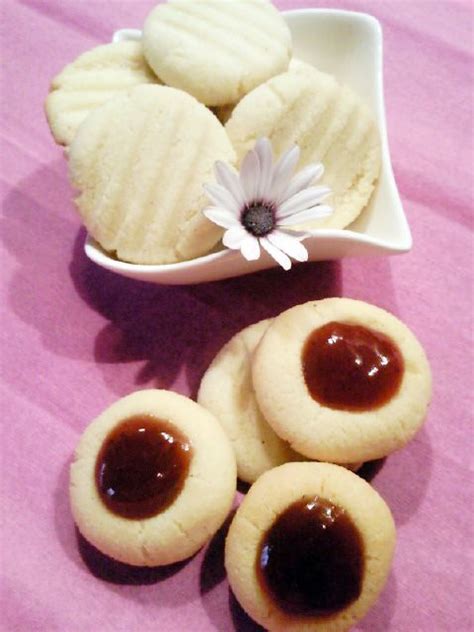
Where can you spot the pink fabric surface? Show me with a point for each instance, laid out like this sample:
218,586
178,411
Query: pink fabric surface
75,338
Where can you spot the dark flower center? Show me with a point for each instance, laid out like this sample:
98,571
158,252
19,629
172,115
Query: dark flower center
258,218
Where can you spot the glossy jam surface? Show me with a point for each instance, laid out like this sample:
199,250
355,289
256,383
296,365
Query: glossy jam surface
142,466
350,367
311,560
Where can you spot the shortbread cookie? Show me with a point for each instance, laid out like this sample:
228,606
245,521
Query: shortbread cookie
329,122
90,80
140,162
309,548
153,478
227,391
217,51
341,380
224,112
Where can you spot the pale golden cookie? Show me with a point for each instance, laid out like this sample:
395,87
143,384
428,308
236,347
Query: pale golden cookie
217,51
140,162
227,391
224,112
349,429
120,508
90,80
329,122
309,549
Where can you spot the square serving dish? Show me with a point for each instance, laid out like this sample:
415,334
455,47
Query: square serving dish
347,45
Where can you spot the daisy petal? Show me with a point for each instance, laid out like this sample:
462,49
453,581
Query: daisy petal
263,149
283,170
278,255
250,248
302,180
221,216
250,175
302,200
296,234
289,245
315,212
221,197
230,181
234,237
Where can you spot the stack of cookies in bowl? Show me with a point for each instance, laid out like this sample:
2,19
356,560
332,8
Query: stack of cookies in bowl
144,123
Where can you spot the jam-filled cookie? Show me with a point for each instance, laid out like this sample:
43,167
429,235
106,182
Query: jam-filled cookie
139,162
341,380
227,391
309,548
153,478
93,78
330,124
217,51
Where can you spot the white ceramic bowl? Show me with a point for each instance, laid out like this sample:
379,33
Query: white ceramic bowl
349,46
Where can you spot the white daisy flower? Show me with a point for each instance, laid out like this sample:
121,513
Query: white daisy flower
258,206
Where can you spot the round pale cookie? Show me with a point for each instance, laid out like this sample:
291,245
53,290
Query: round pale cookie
153,479
140,162
224,112
329,122
370,394
217,50
90,80
309,548
227,391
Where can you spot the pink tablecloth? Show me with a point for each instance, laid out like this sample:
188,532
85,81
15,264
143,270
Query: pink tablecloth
75,338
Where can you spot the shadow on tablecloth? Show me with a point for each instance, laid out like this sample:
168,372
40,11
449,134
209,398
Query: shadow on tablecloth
181,328
156,334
